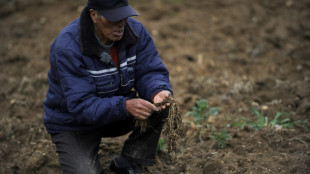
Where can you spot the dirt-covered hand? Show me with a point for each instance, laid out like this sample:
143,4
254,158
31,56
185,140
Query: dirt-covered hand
160,97
139,108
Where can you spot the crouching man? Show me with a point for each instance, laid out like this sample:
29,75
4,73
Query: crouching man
105,72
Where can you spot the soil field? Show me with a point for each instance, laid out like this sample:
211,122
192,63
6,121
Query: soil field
236,54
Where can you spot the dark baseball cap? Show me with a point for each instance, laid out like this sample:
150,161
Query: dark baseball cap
113,10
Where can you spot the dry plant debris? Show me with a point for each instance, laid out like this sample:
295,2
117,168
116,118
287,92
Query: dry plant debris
172,124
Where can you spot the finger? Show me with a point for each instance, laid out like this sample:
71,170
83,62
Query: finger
154,108
159,108
145,113
146,106
140,117
151,107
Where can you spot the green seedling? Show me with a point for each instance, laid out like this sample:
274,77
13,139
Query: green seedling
262,121
286,122
241,122
201,111
161,145
221,138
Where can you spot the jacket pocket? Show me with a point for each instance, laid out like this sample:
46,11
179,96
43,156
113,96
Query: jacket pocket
131,73
106,85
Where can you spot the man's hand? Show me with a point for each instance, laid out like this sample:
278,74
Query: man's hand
139,108
160,97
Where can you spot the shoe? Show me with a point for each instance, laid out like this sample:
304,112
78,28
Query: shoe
128,169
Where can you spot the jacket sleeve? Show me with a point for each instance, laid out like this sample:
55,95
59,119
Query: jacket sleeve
79,91
151,74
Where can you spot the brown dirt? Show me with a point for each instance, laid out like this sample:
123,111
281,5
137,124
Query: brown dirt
235,53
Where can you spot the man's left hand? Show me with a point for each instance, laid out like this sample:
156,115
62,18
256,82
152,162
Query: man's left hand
160,97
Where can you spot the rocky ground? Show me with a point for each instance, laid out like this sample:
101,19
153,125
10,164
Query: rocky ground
237,54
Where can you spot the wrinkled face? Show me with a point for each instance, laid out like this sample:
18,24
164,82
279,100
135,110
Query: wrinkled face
107,31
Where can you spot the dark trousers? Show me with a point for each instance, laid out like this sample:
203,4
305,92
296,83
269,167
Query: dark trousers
78,151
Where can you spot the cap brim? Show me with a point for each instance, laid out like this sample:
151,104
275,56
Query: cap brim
118,14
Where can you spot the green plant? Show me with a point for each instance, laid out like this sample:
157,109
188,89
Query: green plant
221,138
161,145
201,111
286,122
262,121
240,122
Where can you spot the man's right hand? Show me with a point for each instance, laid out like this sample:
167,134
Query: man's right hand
139,108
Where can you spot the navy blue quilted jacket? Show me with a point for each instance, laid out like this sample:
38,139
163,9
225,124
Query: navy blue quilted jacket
86,91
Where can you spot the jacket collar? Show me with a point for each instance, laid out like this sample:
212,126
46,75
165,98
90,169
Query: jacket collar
88,43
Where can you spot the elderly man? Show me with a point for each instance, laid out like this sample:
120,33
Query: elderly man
105,73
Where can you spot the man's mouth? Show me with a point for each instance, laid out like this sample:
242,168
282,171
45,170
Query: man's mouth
118,33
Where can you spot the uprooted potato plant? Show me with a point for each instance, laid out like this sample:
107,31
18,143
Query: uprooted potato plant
172,124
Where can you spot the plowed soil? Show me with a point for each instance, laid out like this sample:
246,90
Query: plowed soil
237,54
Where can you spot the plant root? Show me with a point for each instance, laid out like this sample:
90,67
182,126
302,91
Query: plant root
172,124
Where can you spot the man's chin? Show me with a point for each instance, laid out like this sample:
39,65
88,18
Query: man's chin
117,38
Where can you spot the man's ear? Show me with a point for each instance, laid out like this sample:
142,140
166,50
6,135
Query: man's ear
93,16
